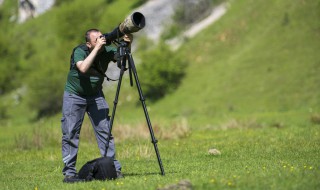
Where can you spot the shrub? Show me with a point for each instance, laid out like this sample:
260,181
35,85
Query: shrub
8,67
3,112
161,71
45,90
315,118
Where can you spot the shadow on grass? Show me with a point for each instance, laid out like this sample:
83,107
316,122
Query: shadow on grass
146,174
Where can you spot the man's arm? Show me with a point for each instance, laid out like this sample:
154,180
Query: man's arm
84,65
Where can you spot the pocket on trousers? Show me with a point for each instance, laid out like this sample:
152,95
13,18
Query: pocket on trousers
101,104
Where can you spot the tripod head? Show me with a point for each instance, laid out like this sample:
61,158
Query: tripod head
122,50
124,56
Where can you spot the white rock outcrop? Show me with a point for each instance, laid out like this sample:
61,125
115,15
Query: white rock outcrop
32,8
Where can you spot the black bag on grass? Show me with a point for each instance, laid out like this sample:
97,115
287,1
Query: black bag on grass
98,169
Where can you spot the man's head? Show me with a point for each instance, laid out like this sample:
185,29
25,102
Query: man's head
91,37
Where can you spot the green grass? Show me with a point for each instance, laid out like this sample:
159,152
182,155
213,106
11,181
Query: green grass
250,62
251,158
251,88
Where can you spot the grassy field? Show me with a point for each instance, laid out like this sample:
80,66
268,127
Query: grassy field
251,91
252,157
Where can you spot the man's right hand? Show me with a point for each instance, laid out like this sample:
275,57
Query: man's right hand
100,42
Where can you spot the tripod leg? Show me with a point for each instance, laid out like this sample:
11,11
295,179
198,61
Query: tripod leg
154,140
115,102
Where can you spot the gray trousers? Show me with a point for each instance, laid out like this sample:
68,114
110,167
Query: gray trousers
73,111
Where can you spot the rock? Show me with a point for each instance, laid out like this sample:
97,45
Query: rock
214,152
32,8
182,185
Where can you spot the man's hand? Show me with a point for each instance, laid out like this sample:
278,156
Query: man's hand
100,42
128,38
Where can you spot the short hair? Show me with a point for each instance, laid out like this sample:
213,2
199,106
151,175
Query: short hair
87,35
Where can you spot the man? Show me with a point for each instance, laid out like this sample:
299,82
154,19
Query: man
83,93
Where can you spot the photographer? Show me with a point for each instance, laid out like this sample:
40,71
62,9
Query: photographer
83,93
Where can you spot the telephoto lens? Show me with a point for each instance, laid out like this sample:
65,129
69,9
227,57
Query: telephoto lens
131,24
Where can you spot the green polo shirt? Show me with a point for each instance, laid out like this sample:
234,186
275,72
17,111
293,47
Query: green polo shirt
88,84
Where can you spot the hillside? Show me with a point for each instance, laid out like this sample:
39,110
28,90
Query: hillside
246,114
260,59
40,57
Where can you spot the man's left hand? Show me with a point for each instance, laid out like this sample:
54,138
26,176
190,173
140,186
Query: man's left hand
128,38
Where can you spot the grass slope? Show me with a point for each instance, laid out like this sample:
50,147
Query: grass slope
252,158
250,89
260,58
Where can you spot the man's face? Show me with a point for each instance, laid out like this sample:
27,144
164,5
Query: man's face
93,39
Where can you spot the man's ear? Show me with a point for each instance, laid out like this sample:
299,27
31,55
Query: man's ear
89,45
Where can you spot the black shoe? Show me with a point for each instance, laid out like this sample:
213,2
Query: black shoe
72,179
119,175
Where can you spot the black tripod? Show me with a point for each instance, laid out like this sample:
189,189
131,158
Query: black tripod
124,56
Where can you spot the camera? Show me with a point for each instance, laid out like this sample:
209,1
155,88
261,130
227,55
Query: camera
131,24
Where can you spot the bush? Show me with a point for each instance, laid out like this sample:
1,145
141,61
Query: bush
8,67
8,78
3,111
161,72
45,90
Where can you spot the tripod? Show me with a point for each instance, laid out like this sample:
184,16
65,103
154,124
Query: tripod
124,56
